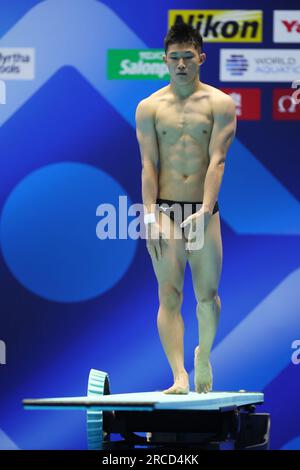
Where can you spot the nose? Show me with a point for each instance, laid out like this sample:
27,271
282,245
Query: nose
181,64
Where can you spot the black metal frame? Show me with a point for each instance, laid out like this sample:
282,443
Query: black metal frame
229,427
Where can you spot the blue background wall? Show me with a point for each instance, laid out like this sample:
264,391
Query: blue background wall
70,302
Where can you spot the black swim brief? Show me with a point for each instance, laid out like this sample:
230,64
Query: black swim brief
178,211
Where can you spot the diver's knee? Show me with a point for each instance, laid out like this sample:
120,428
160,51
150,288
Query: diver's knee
208,296
170,296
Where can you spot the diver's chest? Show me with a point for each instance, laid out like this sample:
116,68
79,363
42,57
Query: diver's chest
173,122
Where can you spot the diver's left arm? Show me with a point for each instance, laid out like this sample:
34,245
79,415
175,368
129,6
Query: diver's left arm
223,131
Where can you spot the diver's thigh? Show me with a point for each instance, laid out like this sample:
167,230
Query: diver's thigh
172,264
206,263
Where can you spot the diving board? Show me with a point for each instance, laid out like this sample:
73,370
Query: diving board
149,401
212,420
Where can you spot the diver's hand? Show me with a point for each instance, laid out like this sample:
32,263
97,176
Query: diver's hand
197,224
156,239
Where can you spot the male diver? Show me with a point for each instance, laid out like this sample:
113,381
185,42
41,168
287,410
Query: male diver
184,131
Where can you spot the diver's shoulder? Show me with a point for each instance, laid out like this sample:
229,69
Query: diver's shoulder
216,93
148,105
219,98
156,95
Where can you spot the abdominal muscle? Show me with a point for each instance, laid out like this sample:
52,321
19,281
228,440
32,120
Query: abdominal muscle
182,173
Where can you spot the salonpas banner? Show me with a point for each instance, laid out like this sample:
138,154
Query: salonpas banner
136,64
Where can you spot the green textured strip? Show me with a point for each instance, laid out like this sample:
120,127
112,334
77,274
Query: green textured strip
96,385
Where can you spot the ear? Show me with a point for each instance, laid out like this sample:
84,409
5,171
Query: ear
202,58
164,58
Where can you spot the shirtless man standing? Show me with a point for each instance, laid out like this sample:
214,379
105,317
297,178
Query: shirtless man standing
184,131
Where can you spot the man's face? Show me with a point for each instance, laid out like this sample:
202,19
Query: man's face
183,61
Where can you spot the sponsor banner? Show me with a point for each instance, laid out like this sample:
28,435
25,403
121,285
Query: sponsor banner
222,25
285,106
136,64
286,26
2,92
259,65
16,63
247,102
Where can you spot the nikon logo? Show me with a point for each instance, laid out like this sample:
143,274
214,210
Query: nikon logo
222,25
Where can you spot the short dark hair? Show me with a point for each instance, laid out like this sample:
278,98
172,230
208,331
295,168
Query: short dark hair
182,32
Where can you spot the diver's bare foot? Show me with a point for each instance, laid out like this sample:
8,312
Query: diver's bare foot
203,373
181,385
